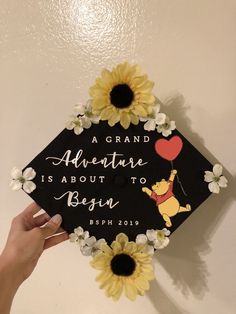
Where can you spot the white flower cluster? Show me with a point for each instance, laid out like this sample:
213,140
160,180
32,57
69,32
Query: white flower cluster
89,246
215,179
159,121
82,118
23,180
154,239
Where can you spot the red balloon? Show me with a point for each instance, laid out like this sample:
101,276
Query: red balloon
169,149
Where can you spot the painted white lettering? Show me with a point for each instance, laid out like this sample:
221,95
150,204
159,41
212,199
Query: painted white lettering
94,140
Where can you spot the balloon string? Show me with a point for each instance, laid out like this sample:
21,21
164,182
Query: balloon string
178,179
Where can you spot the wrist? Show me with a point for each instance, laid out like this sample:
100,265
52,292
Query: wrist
9,270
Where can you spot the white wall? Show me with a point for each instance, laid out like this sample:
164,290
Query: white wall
50,53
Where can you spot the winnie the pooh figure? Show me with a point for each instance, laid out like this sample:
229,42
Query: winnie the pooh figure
162,194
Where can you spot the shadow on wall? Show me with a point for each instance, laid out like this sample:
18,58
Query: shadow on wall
183,258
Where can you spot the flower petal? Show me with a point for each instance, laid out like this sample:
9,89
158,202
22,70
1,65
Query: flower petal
86,235
79,231
139,110
86,250
223,182
142,283
151,234
166,232
86,123
125,120
122,238
160,118
149,249
150,125
209,176
161,244
15,185
141,239
78,130
130,291
73,237
166,133
70,125
134,119
214,187
29,186
217,170
90,241
16,173
106,249
100,262
29,174
80,109
172,125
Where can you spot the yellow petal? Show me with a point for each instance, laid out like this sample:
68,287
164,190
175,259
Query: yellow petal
96,91
146,98
122,239
106,249
130,291
139,80
134,119
114,118
116,296
142,283
104,276
106,77
130,247
125,120
106,113
116,246
139,110
99,103
100,261
145,88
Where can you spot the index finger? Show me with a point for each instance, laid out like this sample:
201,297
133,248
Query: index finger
32,209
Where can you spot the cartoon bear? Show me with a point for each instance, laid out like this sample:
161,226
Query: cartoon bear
162,193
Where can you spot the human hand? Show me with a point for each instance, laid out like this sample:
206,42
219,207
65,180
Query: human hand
174,171
28,238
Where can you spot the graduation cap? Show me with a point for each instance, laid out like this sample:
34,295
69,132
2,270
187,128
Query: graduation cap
108,180
120,171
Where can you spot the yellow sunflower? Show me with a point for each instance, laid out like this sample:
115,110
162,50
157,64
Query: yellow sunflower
124,266
122,95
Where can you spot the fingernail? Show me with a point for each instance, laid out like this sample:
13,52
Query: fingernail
57,219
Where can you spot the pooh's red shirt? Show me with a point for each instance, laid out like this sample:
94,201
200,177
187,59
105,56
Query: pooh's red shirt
162,198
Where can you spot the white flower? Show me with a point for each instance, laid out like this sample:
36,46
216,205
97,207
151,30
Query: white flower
78,124
154,239
142,239
154,119
86,111
92,246
23,180
167,127
215,179
82,118
79,236
160,238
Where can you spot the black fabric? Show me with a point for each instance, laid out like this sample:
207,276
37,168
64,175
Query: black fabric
136,211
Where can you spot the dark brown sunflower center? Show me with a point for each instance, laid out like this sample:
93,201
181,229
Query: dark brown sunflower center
123,265
121,96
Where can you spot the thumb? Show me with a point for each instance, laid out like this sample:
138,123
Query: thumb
52,226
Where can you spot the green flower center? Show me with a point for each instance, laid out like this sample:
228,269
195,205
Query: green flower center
21,180
123,265
160,235
121,96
